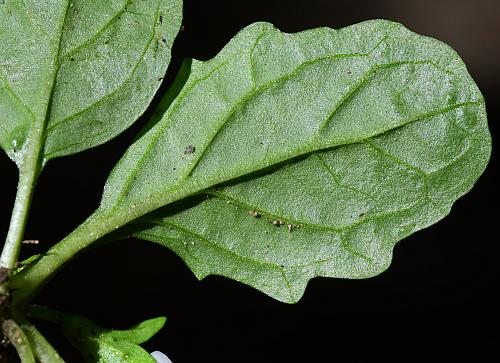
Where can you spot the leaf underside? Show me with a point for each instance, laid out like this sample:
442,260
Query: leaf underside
76,73
309,154
332,145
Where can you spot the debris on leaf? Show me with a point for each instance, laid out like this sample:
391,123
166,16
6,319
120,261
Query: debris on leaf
189,149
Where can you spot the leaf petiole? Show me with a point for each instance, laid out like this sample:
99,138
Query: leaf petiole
27,179
32,278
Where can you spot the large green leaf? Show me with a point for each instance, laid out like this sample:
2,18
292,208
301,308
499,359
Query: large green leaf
355,137
335,213
75,73
403,124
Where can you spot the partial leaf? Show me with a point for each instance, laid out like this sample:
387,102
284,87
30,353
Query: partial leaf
111,346
335,213
42,350
140,333
269,97
75,73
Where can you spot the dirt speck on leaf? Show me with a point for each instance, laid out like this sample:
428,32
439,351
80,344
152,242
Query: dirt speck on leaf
189,149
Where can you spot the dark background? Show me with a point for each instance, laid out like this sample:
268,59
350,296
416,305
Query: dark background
438,302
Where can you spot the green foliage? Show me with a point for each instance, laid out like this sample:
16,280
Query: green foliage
388,126
100,345
285,157
74,74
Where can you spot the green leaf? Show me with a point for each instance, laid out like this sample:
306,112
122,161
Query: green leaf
111,346
359,136
403,130
25,263
74,74
140,333
335,213
269,97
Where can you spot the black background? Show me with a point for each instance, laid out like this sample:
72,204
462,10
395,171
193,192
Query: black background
438,301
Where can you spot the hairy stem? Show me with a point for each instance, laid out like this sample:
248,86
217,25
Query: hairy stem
100,224
27,179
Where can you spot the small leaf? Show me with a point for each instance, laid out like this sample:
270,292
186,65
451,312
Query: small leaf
25,263
74,74
111,346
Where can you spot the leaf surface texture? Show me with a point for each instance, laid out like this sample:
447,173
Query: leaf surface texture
331,145
318,151
75,73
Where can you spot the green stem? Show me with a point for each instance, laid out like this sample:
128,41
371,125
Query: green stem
101,224
27,179
19,340
30,280
30,164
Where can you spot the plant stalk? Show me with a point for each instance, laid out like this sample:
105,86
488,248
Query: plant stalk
103,225
41,348
31,279
27,179
19,340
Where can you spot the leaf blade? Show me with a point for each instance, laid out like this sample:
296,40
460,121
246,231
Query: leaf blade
442,143
271,100
109,345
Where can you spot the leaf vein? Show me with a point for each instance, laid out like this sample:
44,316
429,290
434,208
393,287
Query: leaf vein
260,90
9,89
366,78
81,46
32,21
336,180
158,133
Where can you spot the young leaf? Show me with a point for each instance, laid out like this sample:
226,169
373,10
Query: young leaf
74,74
111,346
102,345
